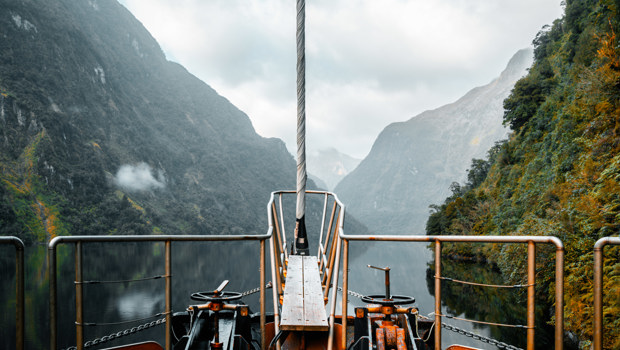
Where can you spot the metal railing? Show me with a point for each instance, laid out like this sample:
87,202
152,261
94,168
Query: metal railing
328,249
531,258
599,246
167,239
19,288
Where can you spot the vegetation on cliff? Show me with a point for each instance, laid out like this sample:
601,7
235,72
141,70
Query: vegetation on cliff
559,173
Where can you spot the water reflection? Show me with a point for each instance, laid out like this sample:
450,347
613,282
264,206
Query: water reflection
497,305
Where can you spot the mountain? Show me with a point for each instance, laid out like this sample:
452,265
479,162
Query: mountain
412,164
100,134
331,166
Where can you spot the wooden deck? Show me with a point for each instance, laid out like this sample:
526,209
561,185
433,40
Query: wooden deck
303,308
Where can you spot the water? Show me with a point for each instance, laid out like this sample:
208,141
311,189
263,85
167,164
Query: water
202,266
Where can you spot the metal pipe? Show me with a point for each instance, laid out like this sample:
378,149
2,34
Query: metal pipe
276,245
19,288
51,266
283,229
334,255
559,297
19,297
330,240
531,293
275,294
599,259
79,298
168,253
345,296
437,295
155,238
332,316
263,299
322,226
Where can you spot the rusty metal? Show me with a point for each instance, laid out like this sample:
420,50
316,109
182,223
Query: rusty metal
275,294
329,244
319,250
380,336
400,339
263,316
599,247
332,316
278,247
559,268
345,296
437,294
334,252
388,294
168,253
168,239
531,293
19,289
390,336
79,298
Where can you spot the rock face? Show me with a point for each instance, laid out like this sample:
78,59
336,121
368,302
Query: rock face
331,166
100,134
412,164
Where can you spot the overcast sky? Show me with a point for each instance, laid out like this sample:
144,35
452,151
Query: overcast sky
368,62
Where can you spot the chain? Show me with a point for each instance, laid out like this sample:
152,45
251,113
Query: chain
481,338
107,338
256,290
147,325
352,293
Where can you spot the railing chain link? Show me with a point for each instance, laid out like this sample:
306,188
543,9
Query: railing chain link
110,337
497,343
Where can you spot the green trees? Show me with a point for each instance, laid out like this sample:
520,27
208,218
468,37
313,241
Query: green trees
559,174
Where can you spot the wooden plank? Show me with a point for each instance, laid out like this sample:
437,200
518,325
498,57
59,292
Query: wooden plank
303,308
314,305
292,305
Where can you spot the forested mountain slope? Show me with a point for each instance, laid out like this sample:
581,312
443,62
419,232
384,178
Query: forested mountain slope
559,173
100,134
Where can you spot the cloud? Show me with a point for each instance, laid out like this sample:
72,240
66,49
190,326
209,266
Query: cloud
368,63
139,178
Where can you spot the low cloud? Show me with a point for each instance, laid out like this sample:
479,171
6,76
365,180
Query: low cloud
139,178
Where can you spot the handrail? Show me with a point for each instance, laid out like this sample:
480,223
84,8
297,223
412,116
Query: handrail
599,246
167,239
328,249
19,288
530,240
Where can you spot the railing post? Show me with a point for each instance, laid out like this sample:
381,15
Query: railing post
275,293
168,253
599,247
345,289
19,297
51,265
345,275
79,297
263,300
598,298
559,298
531,294
19,288
437,295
